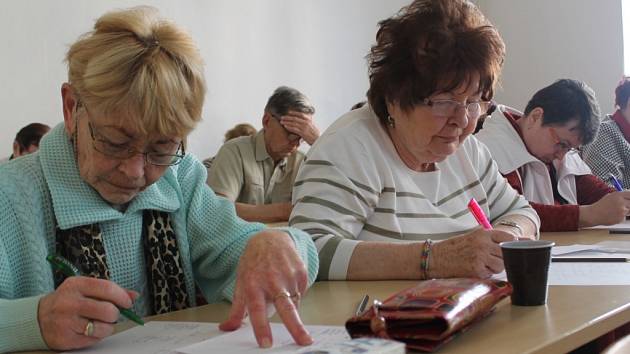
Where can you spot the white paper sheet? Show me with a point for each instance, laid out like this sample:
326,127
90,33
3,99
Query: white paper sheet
622,228
154,337
614,246
561,250
605,249
593,273
242,341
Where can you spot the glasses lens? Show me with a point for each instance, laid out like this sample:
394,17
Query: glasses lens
164,160
113,150
473,110
444,108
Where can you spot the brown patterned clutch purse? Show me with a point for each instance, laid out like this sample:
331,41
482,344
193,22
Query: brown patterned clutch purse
431,313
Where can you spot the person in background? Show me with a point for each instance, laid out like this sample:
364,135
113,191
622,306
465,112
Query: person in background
257,172
242,129
113,190
491,108
27,139
537,151
386,180
358,105
609,153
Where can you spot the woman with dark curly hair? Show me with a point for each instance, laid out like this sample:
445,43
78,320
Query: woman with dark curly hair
387,179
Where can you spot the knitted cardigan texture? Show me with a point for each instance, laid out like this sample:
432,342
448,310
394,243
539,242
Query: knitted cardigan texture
44,190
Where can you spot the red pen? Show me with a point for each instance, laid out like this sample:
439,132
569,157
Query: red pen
479,215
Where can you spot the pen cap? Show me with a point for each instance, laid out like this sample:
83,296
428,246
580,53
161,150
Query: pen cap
478,213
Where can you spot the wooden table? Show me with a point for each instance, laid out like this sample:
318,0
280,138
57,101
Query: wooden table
573,316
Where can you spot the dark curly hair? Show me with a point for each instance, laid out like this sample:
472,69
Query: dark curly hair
432,46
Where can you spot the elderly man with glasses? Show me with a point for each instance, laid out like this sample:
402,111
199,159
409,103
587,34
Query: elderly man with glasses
537,151
257,172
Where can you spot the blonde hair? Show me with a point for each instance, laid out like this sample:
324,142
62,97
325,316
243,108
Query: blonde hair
242,129
136,64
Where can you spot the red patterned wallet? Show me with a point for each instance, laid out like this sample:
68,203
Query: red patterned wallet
431,313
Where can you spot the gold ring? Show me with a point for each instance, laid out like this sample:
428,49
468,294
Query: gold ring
89,329
282,294
296,297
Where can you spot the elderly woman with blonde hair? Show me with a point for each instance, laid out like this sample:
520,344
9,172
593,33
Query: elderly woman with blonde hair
113,191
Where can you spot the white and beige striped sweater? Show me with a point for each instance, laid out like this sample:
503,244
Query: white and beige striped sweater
353,187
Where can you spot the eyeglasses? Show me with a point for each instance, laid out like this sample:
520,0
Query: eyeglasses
446,108
561,145
124,151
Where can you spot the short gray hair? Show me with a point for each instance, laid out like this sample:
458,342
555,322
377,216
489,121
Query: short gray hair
285,99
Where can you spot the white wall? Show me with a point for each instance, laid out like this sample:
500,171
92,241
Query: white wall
552,39
250,47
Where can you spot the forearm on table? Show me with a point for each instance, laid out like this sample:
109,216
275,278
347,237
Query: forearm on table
528,226
557,217
19,327
263,213
385,260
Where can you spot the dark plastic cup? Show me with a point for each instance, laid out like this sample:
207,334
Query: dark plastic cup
527,266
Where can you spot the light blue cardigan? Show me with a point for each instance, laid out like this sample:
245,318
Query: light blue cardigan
36,188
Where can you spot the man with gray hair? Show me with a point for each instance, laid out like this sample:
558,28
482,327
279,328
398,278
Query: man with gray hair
257,172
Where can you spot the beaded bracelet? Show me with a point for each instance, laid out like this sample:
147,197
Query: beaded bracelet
424,259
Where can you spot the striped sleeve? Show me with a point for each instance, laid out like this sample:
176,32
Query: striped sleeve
333,208
502,199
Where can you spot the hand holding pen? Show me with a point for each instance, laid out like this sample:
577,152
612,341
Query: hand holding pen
479,215
611,209
473,254
81,312
615,182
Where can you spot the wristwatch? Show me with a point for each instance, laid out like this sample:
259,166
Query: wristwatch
512,224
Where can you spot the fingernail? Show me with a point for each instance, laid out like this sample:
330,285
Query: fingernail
265,343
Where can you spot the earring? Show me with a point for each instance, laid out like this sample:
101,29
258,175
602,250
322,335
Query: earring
390,121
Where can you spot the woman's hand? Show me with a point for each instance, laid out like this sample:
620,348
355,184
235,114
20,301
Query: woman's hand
269,272
611,209
476,254
64,315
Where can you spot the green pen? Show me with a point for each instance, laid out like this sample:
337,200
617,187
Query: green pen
69,270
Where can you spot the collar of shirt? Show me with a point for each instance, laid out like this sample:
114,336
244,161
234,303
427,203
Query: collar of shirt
261,149
76,203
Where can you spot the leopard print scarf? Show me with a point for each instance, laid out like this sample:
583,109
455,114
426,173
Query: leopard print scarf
83,247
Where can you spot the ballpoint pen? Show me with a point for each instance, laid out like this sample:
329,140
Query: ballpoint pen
362,305
615,182
479,215
69,270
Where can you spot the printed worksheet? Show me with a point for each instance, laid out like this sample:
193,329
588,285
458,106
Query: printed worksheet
155,337
242,341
